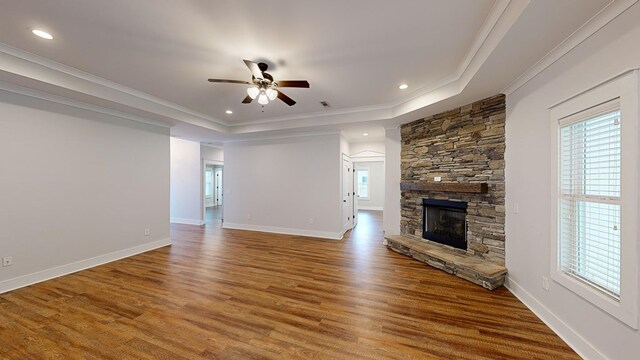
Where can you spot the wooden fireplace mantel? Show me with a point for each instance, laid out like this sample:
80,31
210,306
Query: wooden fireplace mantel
478,188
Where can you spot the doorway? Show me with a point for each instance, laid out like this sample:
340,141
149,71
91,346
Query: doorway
369,184
213,192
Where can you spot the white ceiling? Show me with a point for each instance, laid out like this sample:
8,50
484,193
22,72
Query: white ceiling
157,57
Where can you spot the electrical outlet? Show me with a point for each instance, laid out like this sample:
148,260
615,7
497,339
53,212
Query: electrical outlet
516,208
147,232
7,261
311,220
437,178
248,216
545,283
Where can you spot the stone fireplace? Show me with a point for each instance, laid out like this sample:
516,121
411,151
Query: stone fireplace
455,158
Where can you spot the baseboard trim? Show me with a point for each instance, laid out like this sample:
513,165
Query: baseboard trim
285,231
376,208
48,274
187,221
580,345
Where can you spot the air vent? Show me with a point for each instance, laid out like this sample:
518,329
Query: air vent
325,104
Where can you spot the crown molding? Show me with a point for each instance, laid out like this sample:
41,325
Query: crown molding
315,115
32,66
316,120
489,23
77,104
301,134
592,26
219,146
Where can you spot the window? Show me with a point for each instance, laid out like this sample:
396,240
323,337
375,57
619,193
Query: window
363,183
208,187
595,182
590,199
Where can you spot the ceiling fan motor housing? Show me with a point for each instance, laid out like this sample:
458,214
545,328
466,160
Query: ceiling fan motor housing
267,79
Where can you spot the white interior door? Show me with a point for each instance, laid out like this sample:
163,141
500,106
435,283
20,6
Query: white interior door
218,185
347,193
208,187
354,197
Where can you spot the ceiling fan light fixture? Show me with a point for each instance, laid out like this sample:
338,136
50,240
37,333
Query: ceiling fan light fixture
272,94
263,99
253,92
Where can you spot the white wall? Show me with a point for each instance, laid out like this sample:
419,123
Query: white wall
391,218
211,153
593,333
77,189
284,185
360,149
344,146
186,182
376,185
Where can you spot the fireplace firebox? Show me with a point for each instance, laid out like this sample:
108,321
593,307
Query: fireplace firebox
445,222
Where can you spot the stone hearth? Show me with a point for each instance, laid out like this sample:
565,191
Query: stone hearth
468,267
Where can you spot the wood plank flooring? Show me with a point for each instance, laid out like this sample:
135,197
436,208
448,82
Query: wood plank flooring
228,294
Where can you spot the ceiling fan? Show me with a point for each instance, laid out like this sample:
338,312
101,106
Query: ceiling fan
263,85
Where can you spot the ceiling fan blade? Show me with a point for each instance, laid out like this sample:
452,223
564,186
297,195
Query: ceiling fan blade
293,83
287,100
255,69
247,100
229,81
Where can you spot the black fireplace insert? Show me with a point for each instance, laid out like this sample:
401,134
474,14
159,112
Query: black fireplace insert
445,222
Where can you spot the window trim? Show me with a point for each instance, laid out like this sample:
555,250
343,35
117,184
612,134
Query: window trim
624,88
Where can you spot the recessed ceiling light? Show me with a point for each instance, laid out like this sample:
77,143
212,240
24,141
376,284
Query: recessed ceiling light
403,86
365,134
229,112
43,34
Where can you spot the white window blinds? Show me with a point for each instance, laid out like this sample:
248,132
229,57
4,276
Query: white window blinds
590,198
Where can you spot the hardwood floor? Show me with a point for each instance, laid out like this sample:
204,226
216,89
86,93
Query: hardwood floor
213,215
229,294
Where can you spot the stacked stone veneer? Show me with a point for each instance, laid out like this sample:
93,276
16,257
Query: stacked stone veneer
464,145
